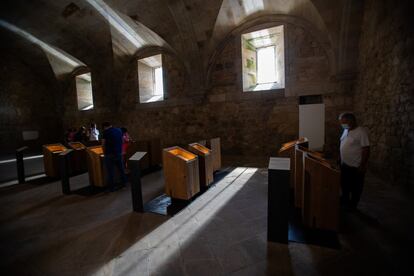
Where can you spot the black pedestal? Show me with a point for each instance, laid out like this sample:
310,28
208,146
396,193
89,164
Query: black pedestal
20,164
278,200
64,170
136,189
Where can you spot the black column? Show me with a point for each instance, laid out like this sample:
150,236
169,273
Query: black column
20,164
278,200
135,179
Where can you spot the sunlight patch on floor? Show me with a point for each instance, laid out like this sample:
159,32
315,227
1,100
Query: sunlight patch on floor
162,244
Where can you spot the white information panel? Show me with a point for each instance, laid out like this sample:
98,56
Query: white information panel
30,135
312,124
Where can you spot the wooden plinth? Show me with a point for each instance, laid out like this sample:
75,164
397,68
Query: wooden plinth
95,161
214,145
288,150
299,172
321,194
181,173
78,163
51,159
205,164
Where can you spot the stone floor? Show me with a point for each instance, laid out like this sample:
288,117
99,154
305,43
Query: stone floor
223,232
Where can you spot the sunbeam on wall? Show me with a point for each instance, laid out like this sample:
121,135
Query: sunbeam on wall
252,6
125,31
61,62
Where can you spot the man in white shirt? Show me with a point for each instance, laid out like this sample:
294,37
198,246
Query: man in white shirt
93,133
354,155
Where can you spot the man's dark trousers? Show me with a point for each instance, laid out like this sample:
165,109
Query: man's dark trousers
352,182
112,161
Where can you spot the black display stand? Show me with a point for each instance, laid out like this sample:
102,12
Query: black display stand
278,200
20,164
136,189
64,170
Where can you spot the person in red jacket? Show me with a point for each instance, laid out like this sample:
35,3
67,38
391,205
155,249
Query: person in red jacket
126,139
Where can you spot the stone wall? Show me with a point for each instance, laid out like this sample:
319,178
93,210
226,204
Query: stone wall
273,115
27,103
384,96
251,124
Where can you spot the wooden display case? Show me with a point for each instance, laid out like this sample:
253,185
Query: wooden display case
78,162
181,173
214,145
321,194
93,143
298,177
286,147
288,150
51,159
299,172
95,161
205,164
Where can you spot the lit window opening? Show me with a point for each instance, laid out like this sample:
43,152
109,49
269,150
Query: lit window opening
84,91
266,65
150,79
159,85
263,59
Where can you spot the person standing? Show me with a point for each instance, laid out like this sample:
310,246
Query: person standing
72,134
354,154
93,133
126,139
81,136
112,143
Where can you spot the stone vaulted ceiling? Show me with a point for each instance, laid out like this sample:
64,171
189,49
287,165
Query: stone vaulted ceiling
91,29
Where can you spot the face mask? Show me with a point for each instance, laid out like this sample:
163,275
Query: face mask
345,126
